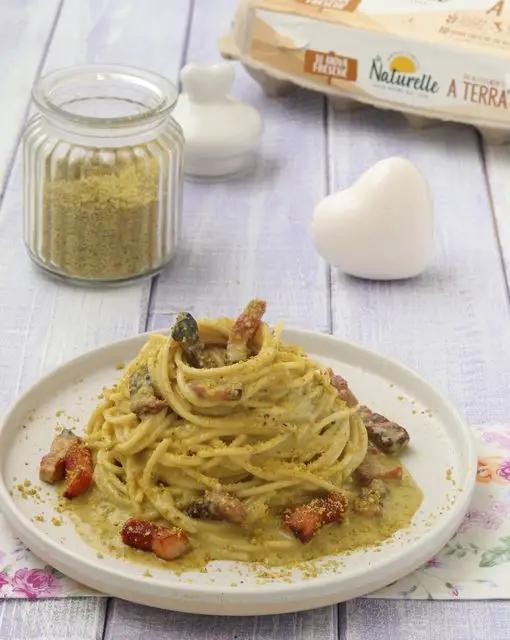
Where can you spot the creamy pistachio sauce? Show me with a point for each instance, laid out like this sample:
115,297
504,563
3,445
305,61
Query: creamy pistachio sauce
99,523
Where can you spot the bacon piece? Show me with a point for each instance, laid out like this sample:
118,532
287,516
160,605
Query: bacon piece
79,470
373,468
166,543
342,387
138,534
370,501
170,544
142,396
216,505
387,436
243,330
70,458
217,393
52,465
304,521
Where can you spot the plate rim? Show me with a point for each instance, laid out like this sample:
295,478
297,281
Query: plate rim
32,535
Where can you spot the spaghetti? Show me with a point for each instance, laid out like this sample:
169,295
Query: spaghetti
269,431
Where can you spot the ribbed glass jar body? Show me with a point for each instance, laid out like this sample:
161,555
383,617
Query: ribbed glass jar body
102,174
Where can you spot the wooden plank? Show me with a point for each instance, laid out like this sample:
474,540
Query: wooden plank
497,166
249,235
451,323
25,32
154,624
244,237
64,619
44,322
412,620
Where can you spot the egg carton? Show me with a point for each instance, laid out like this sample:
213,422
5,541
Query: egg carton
431,61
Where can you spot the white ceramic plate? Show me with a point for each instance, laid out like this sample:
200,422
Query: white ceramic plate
442,460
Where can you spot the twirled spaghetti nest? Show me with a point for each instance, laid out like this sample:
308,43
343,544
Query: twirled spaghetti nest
270,430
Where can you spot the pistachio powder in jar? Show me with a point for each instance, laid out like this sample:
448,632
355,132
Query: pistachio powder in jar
102,174
100,215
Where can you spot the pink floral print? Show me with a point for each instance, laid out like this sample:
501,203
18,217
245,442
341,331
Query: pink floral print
490,519
501,439
34,583
3,579
504,470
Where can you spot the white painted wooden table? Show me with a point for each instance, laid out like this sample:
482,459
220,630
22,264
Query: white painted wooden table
250,237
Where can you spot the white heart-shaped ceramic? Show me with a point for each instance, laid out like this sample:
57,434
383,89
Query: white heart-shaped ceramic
381,227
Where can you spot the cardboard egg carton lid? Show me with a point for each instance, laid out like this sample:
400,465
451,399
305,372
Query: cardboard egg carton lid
426,58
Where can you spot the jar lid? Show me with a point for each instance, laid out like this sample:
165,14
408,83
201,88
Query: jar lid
104,95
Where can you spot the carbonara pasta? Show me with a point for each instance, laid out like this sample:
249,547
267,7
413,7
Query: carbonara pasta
221,441
269,430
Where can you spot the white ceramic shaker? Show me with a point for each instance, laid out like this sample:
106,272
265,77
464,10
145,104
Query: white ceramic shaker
221,134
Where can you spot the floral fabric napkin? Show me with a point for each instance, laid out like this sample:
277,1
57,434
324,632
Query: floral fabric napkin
475,564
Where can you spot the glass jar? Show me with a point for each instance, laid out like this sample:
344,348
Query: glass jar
103,174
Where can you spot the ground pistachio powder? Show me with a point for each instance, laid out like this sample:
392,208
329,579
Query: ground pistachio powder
99,219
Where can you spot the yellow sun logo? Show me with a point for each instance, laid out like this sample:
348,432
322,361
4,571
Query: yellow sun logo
403,64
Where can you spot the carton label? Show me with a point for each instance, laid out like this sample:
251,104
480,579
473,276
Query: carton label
382,68
401,71
331,64
484,92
